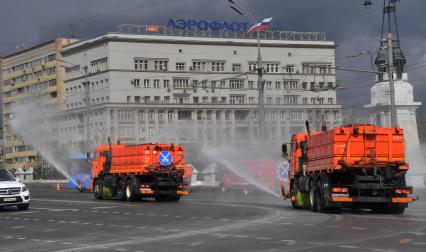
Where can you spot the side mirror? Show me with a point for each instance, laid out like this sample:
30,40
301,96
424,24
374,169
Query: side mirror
284,148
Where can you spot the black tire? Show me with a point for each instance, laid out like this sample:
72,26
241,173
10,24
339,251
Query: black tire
312,197
320,197
121,187
97,189
24,206
129,191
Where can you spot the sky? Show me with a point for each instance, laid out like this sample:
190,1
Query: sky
354,28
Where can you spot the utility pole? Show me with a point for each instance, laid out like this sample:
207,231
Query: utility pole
394,119
87,109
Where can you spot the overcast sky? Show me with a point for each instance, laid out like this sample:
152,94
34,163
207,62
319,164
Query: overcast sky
354,28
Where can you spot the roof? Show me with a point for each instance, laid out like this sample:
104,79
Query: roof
168,39
28,49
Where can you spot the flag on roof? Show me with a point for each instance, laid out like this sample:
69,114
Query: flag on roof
260,26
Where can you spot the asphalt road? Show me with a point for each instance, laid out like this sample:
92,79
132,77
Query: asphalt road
203,221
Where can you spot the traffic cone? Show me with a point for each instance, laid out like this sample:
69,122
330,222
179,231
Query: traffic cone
58,187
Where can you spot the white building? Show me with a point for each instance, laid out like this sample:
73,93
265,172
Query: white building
195,90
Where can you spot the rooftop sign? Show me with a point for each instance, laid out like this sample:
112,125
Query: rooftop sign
206,25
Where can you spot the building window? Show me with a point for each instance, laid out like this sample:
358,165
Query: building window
251,84
312,85
157,99
330,85
195,99
137,99
296,116
278,100
272,68
236,99
236,84
289,68
269,100
160,65
146,83
313,100
98,65
236,67
180,83
136,83
166,83
146,99
269,84
251,100
277,85
321,85
217,66
330,100
305,100
290,85
290,99
129,99
304,85
156,83
205,99
166,99
180,66
199,66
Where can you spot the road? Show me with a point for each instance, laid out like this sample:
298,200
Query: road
204,221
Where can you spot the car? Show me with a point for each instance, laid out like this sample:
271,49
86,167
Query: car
12,191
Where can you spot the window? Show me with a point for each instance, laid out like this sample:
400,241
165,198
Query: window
321,85
290,99
269,100
166,99
236,84
305,100
277,85
330,100
222,84
312,85
251,84
269,84
330,85
136,83
180,66
223,99
290,85
157,99
195,99
304,85
252,67
205,99
278,100
236,99
166,83
180,83
217,66
146,99
137,99
129,99
146,83
272,68
160,65
289,69
236,67
98,65
296,115
141,115
156,83
251,100
199,66
125,115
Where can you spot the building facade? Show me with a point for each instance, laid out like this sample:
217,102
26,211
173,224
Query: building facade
34,73
194,90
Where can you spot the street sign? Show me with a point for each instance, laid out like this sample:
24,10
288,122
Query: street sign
165,158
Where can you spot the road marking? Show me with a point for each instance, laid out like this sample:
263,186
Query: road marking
241,236
286,223
102,207
196,243
308,225
358,228
121,249
263,238
349,247
419,243
67,243
416,233
332,226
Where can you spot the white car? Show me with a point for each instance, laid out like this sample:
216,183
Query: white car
13,192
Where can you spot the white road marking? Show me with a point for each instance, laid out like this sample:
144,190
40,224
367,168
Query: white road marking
102,207
241,236
349,247
121,249
359,228
263,238
332,226
417,233
286,223
196,243
67,243
419,243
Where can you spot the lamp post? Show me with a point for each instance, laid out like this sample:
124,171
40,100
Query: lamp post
260,83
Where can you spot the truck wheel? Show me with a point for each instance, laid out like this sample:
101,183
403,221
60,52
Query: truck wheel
312,197
129,194
319,197
121,188
97,189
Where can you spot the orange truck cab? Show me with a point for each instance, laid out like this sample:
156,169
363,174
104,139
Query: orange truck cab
129,172
357,166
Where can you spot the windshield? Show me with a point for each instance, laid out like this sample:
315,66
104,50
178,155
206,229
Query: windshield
6,176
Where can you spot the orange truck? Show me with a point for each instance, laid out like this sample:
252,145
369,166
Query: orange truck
130,172
357,166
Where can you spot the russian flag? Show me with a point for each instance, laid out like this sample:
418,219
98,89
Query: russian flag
260,26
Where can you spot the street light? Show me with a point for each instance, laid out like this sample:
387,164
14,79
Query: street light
260,84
